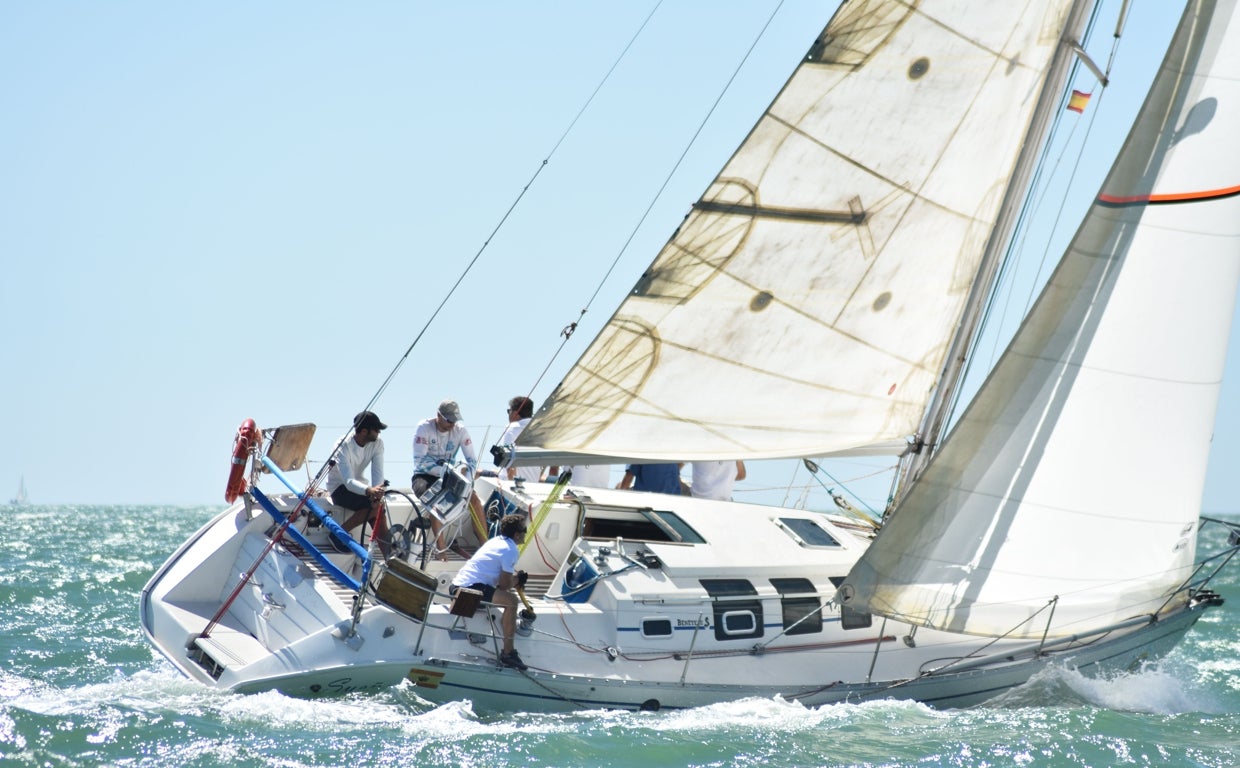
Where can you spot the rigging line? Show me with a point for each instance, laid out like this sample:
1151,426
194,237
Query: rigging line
568,330
1031,205
546,161
606,77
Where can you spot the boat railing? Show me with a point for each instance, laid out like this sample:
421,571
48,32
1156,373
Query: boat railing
332,526
1194,586
1196,583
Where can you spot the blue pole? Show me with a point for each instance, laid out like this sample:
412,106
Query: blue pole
326,520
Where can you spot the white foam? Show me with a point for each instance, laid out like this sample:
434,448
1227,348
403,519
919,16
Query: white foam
1154,689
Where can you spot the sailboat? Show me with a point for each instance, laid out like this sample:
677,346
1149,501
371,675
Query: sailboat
20,499
821,299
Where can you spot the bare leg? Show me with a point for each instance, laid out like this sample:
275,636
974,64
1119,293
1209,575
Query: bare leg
380,525
509,621
436,527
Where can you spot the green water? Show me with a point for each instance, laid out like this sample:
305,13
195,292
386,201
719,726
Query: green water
79,686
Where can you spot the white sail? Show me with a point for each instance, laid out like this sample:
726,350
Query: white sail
845,225
1077,472
20,498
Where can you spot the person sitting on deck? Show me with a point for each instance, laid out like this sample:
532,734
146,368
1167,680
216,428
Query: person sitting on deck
492,571
348,490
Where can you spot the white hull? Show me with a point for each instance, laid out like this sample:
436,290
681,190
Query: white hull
490,688
291,628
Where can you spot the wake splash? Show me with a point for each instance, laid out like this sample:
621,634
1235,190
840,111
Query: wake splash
1157,689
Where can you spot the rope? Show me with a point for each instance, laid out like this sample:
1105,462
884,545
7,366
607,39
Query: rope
504,218
567,332
1032,205
319,476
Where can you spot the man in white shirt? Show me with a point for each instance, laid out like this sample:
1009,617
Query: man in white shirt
592,475
345,476
493,572
715,479
520,410
435,443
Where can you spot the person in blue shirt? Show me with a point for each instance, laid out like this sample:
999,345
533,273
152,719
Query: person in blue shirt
656,478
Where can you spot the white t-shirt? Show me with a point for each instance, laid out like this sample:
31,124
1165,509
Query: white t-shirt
351,461
432,448
528,474
591,475
494,557
713,480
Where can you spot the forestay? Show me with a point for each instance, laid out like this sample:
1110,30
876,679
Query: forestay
805,305
1078,470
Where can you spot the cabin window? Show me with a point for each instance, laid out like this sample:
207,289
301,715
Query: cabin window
657,627
801,606
851,618
676,528
736,618
638,525
808,533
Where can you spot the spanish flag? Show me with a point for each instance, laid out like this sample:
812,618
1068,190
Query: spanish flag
1078,100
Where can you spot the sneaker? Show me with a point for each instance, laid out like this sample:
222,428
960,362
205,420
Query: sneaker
513,660
338,544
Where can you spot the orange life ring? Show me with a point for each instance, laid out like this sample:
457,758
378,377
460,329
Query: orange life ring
248,436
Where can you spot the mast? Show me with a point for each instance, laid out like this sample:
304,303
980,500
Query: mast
935,421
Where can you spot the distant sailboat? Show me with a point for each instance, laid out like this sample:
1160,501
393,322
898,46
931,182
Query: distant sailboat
819,300
20,499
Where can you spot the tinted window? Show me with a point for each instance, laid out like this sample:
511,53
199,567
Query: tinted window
677,528
851,618
656,627
809,532
802,615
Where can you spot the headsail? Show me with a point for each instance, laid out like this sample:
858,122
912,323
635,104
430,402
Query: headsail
850,221
1078,470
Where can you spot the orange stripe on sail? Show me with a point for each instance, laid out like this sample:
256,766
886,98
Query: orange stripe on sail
1173,197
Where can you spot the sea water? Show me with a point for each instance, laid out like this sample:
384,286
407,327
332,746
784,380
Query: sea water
80,686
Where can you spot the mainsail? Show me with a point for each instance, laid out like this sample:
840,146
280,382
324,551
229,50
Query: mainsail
1068,494
805,306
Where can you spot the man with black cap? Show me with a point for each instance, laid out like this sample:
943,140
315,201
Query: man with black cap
344,478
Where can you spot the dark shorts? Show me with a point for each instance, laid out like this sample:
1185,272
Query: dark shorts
343,497
421,482
487,590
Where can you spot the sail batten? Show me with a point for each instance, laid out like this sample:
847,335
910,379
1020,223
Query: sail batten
807,302
1048,460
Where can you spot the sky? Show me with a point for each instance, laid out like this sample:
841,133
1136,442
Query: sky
212,212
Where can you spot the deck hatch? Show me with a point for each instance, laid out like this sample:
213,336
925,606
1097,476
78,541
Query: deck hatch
807,533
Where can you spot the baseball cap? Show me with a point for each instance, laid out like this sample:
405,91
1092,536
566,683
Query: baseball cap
367,420
450,411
